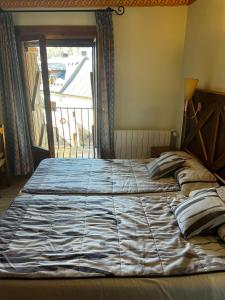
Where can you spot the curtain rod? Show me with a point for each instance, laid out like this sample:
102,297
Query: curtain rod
118,11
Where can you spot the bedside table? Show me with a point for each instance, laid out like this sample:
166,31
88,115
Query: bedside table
156,151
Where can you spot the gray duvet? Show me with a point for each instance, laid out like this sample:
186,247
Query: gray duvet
49,236
95,176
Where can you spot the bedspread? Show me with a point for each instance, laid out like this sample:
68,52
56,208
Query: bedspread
47,236
95,176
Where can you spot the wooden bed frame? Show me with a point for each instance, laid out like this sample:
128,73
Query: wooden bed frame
203,133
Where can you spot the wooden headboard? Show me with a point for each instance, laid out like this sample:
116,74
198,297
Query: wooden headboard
204,134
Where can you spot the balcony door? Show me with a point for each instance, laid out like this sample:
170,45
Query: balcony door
58,80
38,95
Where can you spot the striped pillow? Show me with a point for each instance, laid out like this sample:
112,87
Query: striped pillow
203,211
164,165
221,232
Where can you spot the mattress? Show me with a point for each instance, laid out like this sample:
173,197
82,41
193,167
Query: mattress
63,236
96,176
195,287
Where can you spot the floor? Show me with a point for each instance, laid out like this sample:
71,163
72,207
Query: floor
7,194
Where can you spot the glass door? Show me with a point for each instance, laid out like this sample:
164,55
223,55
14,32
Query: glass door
70,69
59,71
38,97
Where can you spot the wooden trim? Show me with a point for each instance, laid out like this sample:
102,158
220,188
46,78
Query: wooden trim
89,3
220,179
211,92
47,100
25,33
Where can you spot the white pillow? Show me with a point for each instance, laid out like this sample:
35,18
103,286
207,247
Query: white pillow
194,176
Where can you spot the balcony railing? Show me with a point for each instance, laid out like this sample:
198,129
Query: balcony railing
73,132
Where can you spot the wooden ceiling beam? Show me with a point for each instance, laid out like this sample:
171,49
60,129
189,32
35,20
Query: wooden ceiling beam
10,4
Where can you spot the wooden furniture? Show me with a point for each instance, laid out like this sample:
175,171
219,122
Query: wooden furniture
4,170
157,151
203,133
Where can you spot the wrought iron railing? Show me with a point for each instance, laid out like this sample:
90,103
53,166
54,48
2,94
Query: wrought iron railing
73,132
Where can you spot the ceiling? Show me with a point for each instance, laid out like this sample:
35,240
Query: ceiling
89,3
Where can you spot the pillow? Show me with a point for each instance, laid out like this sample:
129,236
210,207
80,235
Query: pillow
194,176
164,165
176,201
203,211
221,232
181,154
221,192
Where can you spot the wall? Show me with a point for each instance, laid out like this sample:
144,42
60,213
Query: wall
27,19
205,46
148,61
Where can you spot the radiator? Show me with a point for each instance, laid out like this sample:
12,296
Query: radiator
137,143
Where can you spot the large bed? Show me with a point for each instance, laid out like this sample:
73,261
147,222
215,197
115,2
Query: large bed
72,241
112,247
96,176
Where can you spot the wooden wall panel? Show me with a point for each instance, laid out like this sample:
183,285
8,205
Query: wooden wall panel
89,3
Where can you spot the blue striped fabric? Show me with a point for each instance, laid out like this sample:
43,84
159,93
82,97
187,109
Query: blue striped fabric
13,101
166,164
202,212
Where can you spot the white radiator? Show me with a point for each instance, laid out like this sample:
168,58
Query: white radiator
137,143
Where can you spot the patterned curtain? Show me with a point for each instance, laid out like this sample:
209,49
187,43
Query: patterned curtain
13,102
105,85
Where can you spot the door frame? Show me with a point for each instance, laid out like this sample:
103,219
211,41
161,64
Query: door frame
48,35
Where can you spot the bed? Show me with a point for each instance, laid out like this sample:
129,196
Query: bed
108,247
133,248
96,176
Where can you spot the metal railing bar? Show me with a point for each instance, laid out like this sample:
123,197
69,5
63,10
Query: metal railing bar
76,131
69,141
56,133
64,142
70,138
89,135
82,126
